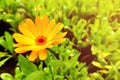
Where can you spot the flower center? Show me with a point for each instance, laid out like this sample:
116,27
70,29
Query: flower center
41,40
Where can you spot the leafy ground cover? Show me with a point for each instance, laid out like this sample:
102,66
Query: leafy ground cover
91,50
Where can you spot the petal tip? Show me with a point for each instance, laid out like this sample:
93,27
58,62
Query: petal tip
42,54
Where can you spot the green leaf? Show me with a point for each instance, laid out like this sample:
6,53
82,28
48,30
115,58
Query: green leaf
2,42
37,75
72,62
9,41
4,60
40,66
18,74
3,54
57,63
9,2
6,76
26,66
97,64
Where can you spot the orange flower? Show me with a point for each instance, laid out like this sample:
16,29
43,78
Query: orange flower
38,36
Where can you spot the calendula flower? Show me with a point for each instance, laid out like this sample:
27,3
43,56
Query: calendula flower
37,37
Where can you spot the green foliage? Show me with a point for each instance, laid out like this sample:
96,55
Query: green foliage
66,67
37,75
26,66
4,57
88,22
6,76
7,42
9,12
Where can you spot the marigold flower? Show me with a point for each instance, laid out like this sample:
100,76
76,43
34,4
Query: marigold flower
37,37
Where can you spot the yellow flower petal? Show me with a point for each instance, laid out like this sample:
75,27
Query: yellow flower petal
28,48
45,21
25,30
49,28
19,45
49,45
19,50
23,39
54,31
60,35
42,54
39,26
32,47
31,26
58,38
59,41
33,55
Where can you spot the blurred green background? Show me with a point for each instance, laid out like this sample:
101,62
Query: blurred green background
91,51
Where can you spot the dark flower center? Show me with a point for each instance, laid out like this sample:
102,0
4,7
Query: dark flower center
41,40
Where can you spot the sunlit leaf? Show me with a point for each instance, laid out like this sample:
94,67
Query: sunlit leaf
37,75
4,60
6,76
9,41
3,54
2,42
26,66
97,64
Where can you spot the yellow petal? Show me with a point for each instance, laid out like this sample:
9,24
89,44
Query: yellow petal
45,20
23,39
33,55
60,35
25,30
32,48
42,54
27,48
54,31
59,41
59,38
31,26
19,45
39,25
49,28
45,24
49,46
21,51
